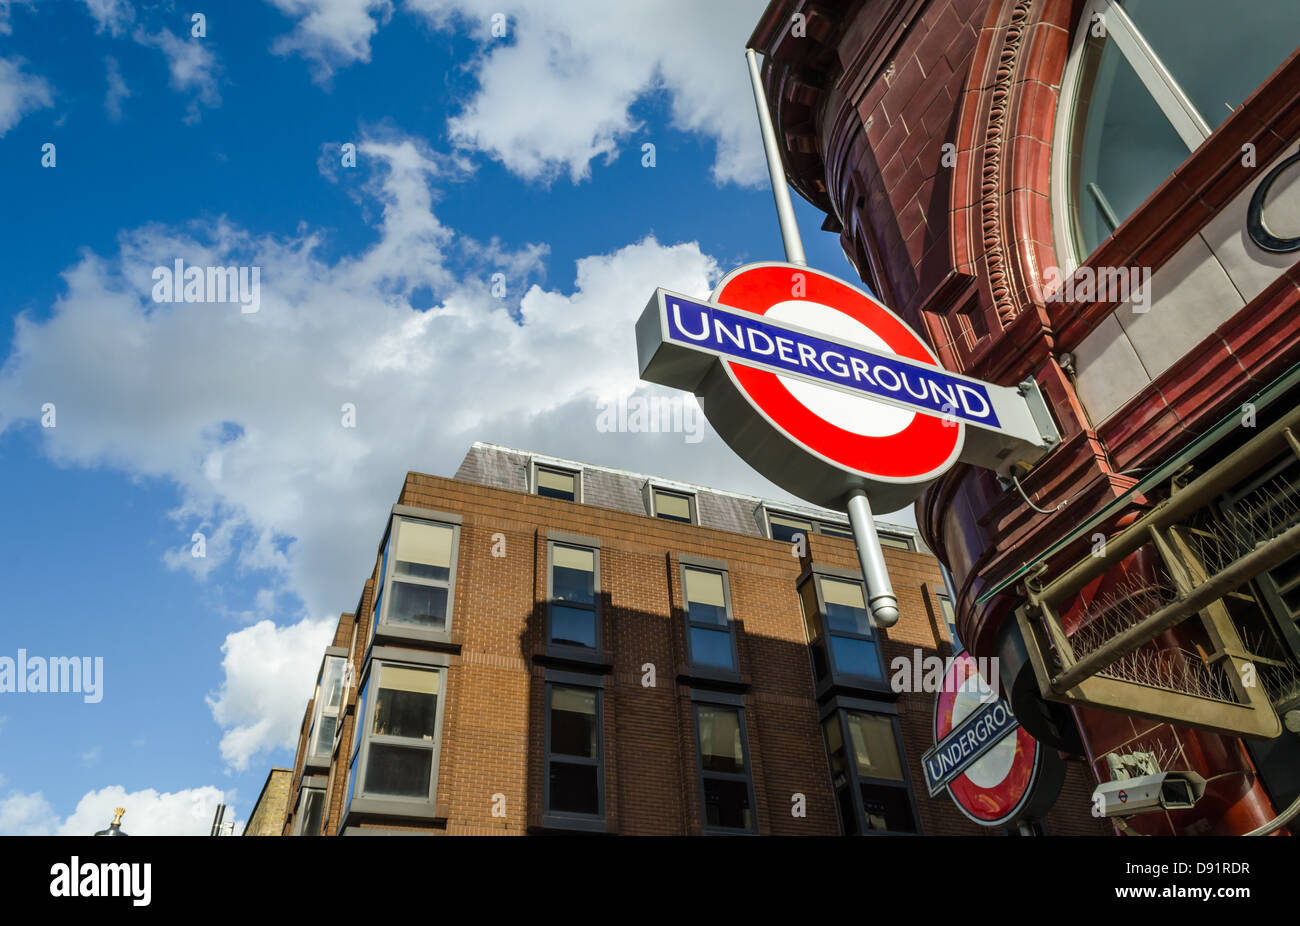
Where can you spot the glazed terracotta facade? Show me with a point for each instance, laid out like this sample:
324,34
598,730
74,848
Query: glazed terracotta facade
925,130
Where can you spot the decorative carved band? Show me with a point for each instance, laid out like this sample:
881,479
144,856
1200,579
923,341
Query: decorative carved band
990,184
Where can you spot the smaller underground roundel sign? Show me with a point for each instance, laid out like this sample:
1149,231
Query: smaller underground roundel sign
814,383
987,762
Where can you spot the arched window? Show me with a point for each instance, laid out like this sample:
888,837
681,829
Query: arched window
1147,81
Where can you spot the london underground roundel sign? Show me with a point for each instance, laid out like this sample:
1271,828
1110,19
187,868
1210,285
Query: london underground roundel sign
814,383
988,762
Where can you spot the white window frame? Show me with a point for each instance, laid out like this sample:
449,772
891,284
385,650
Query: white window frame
1168,96
320,709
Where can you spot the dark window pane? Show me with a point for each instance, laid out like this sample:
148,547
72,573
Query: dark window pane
849,620
875,749
835,746
573,722
887,809
573,626
418,606
711,648
575,585
361,715
407,704
398,770
835,530
574,788
856,657
721,746
325,735
352,775
1219,53
898,543
848,813
820,665
846,609
422,571
312,814
573,574
784,528
726,804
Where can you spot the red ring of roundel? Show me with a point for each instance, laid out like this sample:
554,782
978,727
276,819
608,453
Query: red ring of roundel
920,448
985,803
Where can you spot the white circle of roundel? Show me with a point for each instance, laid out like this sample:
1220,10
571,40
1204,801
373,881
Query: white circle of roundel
857,416
990,769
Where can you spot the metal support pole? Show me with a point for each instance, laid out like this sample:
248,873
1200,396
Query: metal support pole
216,820
780,189
880,594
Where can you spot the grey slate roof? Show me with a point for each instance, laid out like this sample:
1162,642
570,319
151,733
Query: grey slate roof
509,468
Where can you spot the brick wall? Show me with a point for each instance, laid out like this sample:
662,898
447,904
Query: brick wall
493,700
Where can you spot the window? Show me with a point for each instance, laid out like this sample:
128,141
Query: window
551,482
395,755
415,594
949,618
725,785
840,630
311,807
329,694
1147,90
574,613
784,527
575,774
895,541
871,789
673,506
708,618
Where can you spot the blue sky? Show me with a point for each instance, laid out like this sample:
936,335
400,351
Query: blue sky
476,154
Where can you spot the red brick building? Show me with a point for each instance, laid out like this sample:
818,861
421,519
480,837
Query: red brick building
550,646
1104,196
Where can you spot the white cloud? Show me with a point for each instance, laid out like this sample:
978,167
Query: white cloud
241,412
111,16
6,7
269,675
331,33
193,67
148,813
117,90
20,93
557,91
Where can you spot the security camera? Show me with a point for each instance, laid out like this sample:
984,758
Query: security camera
1127,797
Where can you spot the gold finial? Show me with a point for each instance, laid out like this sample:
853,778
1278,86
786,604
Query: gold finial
117,816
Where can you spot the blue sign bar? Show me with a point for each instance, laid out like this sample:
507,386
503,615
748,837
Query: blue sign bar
976,735
749,338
